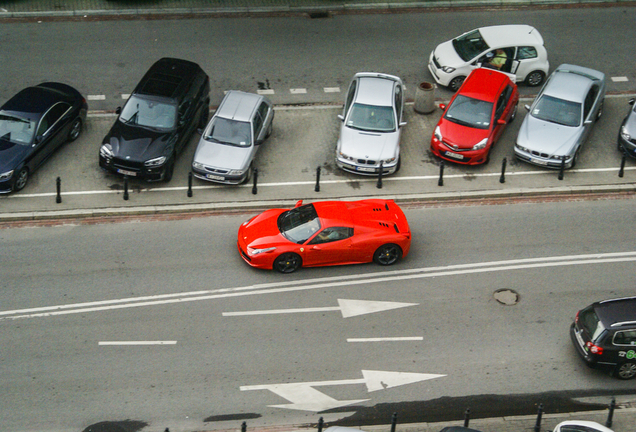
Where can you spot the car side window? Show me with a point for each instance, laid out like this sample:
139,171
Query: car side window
263,109
502,102
183,110
332,234
526,52
52,117
258,124
627,337
589,101
398,101
350,95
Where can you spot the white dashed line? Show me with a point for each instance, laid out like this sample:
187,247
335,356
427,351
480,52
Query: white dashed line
96,97
387,339
620,79
332,89
132,343
125,96
265,92
298,91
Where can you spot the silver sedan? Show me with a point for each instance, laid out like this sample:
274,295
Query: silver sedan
561,117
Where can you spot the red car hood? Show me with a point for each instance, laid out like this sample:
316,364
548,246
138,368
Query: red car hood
262,230
463,137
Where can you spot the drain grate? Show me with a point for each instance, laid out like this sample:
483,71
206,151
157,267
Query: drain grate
506,296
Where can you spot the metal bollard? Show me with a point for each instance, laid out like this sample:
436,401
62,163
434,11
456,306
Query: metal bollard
125,188
610,415
621,171
58,186
317,188
562,169
190,184
537,426
321,423
379,185
254,188
243,427
502,179
393,421
440,182
467,412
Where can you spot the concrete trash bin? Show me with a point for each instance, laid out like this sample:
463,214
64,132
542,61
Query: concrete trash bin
424,98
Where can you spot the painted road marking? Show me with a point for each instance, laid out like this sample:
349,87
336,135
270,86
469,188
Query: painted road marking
298,91
133,343
305,398
620,79
125,96
96,97
349,308
331,89
265,92
321,283
387,339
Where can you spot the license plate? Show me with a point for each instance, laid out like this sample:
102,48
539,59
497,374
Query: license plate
365,169
126,172
538,161
454,155
215,177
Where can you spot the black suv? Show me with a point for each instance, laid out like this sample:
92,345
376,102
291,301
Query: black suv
170,102
604,335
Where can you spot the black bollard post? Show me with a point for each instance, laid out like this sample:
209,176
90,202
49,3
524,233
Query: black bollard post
467,414
502,179
190,184
58,186
379,185
610,415
317,188
321,423
621,171
243,427
393,421
440,182
537,426
167,430
562,169
254,188
125,188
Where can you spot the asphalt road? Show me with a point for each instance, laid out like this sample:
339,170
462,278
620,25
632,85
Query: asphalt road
61,371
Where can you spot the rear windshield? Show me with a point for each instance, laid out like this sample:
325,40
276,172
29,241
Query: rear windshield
588,320
298,224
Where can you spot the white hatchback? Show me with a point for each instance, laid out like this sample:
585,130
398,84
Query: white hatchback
516,50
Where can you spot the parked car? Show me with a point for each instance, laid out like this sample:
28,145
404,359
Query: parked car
372,121
561,117
170,102
580,426
228,145
516,50
475,117
627,132
33,123
604,335
325,233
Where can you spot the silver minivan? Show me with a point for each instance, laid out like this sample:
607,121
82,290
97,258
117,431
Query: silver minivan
232,138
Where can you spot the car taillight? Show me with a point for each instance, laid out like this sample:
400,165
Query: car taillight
594,349
576,318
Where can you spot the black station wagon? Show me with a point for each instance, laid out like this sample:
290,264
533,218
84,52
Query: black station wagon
170,102
604,335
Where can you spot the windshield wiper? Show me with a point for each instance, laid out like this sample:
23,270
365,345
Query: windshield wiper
132,119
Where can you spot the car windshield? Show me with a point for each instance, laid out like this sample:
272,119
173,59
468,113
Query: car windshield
559,111
470,45
470,112
298,224
149,113
371,118
16,130
588,320
230,132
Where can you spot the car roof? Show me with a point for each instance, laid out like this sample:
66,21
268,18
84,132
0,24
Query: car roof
375,89
168,77
570,83
620,310
484,84
37,99
238,105
511,35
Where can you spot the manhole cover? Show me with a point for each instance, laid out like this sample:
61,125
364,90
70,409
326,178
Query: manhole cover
507,296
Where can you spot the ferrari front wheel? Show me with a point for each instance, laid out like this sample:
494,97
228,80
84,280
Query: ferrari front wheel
387,254
287,263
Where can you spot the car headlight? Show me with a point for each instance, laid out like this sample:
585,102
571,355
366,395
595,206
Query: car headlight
389,160
6,175
438,133
106,150
345,156
198,165
155,162
624,134
522,148
448,69
254,251
481,144
236,172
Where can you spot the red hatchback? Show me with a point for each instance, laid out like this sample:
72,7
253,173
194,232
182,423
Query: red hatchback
475,117
325,233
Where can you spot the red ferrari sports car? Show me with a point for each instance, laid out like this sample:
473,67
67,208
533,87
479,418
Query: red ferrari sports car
325,233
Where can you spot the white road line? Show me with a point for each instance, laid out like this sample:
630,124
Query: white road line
134,343
298,91
387,339
125,96
96,97
281,311
331,89
321,283
620,79
265,92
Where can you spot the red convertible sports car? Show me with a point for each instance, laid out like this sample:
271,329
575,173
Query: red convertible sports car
325,233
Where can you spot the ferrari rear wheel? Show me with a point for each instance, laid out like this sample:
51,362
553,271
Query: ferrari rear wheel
387,254
288,262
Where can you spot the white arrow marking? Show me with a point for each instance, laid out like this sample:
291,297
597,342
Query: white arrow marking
349,308
303,397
